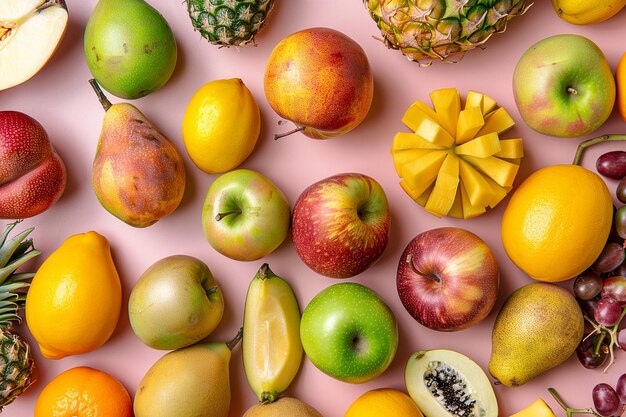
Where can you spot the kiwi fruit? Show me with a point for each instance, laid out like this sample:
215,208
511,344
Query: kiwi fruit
283,407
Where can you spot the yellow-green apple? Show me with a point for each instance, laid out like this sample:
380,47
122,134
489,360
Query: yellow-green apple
564,86
340,224
448,279
349,333
30,32
175,303
245,215
32,175
321,80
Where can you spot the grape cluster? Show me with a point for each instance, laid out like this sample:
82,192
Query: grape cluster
601,290
607,401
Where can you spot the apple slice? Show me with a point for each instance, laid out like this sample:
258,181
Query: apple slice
30,32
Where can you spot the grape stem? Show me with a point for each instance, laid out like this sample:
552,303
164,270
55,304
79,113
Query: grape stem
604,331
569,410
590,142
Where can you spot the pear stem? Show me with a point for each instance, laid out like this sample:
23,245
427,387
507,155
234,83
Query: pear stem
590,142
212,290
263,272
282,135
220,216
106,104
231,345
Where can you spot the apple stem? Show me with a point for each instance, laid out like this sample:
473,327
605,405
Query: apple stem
590,142
212,290
572,91
106,104
569,410
220,216
282,135
231,345
409,260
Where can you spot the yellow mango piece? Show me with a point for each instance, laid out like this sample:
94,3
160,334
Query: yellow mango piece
498,121
481,146
409,140
515,161
408,190
501,171
434,133
402,157
498,192
489,104
416,113
511,148
447,104
423,198
470,211
479,193
474,99
442,197
456,210
421,173
470,121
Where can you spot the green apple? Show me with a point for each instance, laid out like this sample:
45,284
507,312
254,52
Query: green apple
245,215
349,333
175,303
564,86
130,49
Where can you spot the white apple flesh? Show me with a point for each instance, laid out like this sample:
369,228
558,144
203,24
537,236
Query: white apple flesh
30,32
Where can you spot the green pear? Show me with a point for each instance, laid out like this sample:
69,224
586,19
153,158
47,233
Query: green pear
538,327
137,174
130,49
191,381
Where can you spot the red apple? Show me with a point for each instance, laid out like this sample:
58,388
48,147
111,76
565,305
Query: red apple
448,279
321,80
340,225
32,175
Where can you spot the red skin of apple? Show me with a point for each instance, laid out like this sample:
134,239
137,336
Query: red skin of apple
32,175
328,234
321,80
448,279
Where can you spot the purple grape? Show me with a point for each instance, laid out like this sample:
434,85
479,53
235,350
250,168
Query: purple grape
612,165
620,223
585,352
621,339
605,400
587,286
588,306
621,270
620,192
620,388
607,311
611,256
614,287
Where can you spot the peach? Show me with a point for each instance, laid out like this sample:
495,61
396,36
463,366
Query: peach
32,175
321,80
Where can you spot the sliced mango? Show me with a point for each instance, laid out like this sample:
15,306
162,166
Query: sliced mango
416,113
423,198
498,121
442,197
400,158
456,210
434,133
470,121
447,104
480,100
421,173
479,192
481,146
511,149
470,211
409,140
408,190
501,171
498,192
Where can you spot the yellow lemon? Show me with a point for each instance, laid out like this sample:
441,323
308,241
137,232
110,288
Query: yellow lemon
221,125
383,402
557,222
75,297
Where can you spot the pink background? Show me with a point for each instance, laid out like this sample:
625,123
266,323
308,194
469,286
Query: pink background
62,100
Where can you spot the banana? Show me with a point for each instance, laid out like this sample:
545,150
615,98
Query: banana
272,350
586,12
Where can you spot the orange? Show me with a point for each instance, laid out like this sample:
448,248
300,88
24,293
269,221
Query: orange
557,222
383,402
620,76
84,392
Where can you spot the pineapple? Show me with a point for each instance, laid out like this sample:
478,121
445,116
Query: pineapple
228,22
16,363
456,162
427,30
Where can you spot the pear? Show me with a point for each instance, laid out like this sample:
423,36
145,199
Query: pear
129,47
137,175
191,381
538,327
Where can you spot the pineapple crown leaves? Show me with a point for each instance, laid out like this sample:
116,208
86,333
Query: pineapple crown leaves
14,253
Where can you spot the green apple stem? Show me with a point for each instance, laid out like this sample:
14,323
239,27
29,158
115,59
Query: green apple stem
590,142
282,135
409,260
106,104
220,216
231,345
569,410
